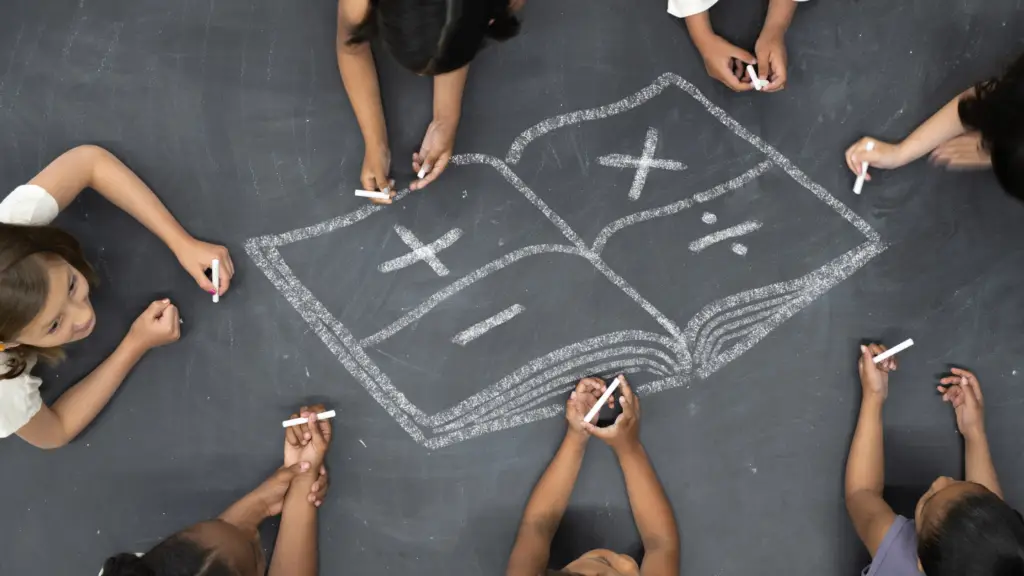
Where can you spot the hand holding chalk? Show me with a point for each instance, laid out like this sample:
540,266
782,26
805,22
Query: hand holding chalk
874,376
307,435
754,80
197,257
582,400
159,324
375,175
624,434
435,152
859,184
963,391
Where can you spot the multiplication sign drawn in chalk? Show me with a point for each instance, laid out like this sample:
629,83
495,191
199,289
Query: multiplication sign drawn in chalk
667,354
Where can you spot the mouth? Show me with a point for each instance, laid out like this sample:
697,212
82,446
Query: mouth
86,329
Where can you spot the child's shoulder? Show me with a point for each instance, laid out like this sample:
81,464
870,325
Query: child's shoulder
28,205
897,555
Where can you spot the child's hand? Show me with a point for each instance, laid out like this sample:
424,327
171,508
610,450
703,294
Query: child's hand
771,55
307,442
874,378
273,490
197,257
884,155
157,325
376,170
435,152
726,63
963,391
588,391
962,153
624,434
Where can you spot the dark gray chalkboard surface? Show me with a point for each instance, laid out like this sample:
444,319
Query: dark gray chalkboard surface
744,348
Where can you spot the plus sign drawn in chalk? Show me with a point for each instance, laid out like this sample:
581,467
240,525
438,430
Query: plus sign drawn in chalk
478,313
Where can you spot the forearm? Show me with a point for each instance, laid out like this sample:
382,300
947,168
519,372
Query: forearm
865,466
80,405
978,462
295,553
699,27
448,89
652,511
942,126
780,15
359,75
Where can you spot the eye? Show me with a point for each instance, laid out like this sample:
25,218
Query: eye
54,326
72,284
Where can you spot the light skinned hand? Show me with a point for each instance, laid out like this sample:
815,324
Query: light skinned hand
727,63
771,55
196,257
884,155
588,391
375,175
964,152
624,433
435,152
158,325
874,378
963,391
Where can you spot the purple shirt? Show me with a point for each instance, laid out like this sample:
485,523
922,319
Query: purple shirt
897,556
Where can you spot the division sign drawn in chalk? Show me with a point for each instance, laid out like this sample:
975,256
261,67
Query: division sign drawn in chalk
475,293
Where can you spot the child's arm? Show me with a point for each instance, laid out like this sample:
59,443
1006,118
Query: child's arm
941,127
93,167
359,75
550,496
722,60
865,466
652,511
56,425
963,391
439,141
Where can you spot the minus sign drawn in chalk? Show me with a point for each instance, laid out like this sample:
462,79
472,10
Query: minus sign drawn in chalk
894,350
371,194
753,78
297,421
604,398
859,184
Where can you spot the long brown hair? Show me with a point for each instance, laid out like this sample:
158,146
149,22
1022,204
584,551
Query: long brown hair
24,284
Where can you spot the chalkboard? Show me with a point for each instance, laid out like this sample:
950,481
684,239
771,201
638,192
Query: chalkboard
610,208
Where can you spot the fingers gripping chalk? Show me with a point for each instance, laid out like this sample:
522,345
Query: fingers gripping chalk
859,184
370,194
423,172
297,421
894,350
753,78
604,398
216,280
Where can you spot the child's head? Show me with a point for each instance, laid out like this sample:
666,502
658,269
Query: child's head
213,548
600,563
433,37
964,529
997,112
44,293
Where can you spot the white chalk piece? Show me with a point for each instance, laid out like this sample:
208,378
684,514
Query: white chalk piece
297,421
370,194
894,350
859,184
604,398
753,77
216,280
423,172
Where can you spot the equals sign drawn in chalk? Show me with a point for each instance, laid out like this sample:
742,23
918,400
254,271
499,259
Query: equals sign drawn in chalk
894,350
371,194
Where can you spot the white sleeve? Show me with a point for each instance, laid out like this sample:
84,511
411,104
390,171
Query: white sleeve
28,205
685,8
19,402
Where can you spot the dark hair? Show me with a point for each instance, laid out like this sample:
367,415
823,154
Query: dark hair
997,112
980,535
24,284
436,36
176,556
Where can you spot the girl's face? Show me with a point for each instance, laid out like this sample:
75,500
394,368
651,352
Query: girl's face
603,563
944,492
67,314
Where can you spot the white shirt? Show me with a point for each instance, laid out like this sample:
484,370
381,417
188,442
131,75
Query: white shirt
28,205
685,8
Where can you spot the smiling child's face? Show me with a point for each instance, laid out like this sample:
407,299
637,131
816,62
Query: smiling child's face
67,314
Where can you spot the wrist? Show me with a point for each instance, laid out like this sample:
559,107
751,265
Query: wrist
132,347
701,32
774,30
872,399
975,435
628,450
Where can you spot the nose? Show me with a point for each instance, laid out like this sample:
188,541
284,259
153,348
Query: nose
81,313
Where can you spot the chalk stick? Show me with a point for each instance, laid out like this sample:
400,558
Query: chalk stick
859,184
216,280
369,194
297,421
423,172
894,350
753,77
604,398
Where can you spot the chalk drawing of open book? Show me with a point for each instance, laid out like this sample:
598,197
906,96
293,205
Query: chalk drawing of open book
652,344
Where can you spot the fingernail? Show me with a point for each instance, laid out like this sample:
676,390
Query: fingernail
307,435
304,466
863,349
573,395
212,292
166,300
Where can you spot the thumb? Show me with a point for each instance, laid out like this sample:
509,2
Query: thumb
198,273
157,308
742,55
297,468
865,356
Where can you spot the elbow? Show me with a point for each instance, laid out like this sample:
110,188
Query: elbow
91,152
